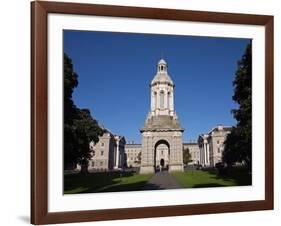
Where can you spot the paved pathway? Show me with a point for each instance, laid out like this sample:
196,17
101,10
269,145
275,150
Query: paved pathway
162,180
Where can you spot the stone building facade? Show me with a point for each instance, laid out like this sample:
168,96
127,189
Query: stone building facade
112,152
211,145
108,153
194,151
162,133
133,155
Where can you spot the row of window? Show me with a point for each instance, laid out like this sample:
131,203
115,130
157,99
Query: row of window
132,154
195,154
100,163
101,153
132,150
133,159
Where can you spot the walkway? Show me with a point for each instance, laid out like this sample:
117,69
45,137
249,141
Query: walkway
162,180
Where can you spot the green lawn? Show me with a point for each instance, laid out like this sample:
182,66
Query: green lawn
201,179
104,182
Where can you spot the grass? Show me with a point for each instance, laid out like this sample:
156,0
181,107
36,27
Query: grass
130,181
104,182
202,178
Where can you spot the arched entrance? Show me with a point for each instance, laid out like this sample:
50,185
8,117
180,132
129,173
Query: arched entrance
161,155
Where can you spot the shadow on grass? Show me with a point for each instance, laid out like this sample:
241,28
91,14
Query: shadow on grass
104,182
138,186
91,182
241,176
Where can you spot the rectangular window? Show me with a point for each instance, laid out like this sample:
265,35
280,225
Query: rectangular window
102,144
101,152
93,163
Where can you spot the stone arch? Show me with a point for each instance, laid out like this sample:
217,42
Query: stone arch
161,157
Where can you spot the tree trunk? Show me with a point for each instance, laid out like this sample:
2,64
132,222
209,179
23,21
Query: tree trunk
84,168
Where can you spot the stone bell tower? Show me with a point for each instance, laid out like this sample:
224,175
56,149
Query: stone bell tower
162,133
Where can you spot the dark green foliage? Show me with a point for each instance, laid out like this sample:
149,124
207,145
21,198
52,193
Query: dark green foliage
86,130
70,81
79,126
238,145
70,112
186,156
139,158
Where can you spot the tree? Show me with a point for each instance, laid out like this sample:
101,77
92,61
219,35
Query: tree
238,144
86,130
139,158
186,156
70,112
79,126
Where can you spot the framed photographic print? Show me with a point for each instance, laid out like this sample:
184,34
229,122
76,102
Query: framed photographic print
147,112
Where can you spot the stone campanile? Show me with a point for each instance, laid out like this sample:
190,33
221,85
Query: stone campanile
162,133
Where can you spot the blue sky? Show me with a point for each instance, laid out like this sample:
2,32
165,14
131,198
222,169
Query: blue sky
115,70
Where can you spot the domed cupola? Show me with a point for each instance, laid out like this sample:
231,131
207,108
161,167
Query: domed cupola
162,91
162,75
162,66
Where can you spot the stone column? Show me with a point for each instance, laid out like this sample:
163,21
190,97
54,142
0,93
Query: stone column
201,154
117,156
172,101
205,153
155,102
168,101
208,154
123,158
114,156
158,100
165,100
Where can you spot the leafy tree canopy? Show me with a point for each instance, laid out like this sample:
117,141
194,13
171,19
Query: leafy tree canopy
186,156
86,130
79,126
238,145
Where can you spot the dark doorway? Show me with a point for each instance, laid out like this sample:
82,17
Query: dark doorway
162,162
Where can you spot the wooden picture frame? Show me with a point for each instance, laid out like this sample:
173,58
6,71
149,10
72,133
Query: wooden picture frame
39,112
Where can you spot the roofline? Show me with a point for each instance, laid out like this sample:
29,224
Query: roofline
161,130
132,144
224,127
